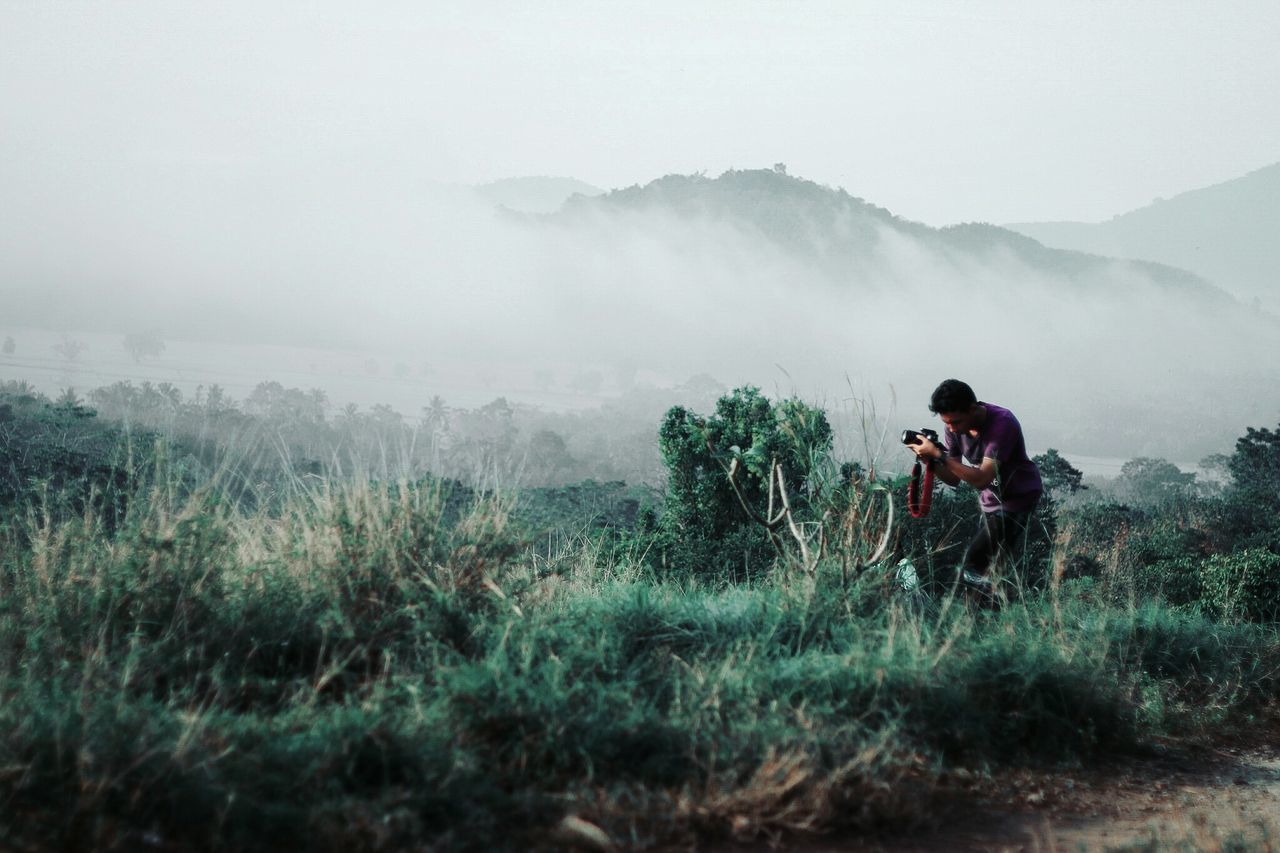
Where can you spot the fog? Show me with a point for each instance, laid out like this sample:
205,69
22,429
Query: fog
433,274
328,232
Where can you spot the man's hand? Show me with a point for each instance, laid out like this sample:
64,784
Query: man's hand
926,449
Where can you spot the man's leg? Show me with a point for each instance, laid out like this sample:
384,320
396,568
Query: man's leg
1000,539
975,566
1009,531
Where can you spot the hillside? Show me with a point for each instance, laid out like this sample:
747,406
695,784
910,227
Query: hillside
756,270
839,233
1225,233
535,194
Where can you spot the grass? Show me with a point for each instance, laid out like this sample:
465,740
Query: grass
376,665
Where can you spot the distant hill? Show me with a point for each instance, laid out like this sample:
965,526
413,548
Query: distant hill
842,235
535,194
760,268
1226,233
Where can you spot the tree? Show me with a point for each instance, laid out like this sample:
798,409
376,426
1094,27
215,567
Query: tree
486,443
710,526
1060,477
69,402
286,407
1147,480
1255,467
549,457
435,417
70,348
142,345
702,385
9,345
211,403
1252,498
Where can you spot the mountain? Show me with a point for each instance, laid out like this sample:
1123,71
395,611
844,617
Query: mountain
1226,233
843,236
756,269
535,194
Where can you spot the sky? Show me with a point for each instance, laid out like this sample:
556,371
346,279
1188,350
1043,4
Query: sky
297,175
940,111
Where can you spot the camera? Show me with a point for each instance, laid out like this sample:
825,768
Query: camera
910,436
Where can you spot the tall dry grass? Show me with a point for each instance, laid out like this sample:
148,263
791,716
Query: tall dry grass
383,664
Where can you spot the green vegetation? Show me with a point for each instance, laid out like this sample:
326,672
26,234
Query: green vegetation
199,650
731,479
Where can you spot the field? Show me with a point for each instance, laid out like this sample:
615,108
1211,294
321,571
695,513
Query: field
217,642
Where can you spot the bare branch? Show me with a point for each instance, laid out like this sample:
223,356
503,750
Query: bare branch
888,529
805,559
732,472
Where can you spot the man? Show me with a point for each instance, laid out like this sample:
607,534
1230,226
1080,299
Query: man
984,448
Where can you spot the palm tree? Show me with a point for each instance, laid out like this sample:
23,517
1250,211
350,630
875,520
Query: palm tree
435,417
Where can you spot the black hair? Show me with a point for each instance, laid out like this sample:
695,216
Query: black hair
952,396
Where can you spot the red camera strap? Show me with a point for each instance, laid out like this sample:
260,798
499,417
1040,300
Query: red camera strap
918,504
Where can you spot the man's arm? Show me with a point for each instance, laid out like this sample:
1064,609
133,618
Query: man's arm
943,472
952,471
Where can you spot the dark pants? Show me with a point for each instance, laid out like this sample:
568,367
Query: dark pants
1000,538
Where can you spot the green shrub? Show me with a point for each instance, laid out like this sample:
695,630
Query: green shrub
61,457
1177,580
705,529
1163,538
1243,585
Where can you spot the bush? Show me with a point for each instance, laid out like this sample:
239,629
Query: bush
1176,580
1163,539
61,457
705,529
1243,585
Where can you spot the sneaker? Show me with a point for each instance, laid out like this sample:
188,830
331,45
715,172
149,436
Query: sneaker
982,591
907,577
981,583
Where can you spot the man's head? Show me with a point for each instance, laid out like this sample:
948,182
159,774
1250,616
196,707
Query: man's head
956,404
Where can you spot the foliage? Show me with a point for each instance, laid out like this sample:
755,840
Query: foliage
59,456
1176,579
1255,468
1059,477
1154,481
1251,501
1165,536
1243,585
708,522
577,508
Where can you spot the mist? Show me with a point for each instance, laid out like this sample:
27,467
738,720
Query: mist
308,183
428,273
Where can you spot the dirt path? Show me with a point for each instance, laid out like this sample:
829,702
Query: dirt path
1178,799
1226,798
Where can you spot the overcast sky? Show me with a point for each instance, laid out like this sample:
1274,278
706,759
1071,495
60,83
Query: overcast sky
940,111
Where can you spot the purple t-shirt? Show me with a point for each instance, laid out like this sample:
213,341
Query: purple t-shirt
1017,486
